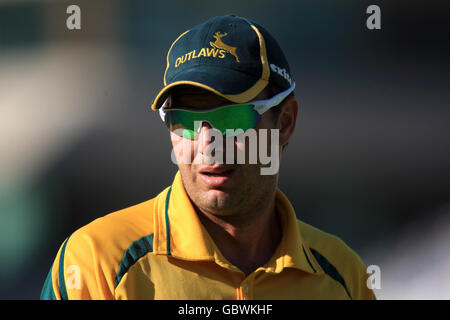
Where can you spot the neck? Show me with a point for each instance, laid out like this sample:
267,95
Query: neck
247,239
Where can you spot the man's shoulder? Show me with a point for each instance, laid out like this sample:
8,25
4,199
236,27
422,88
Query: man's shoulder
115,232
328,245
93,259
137,218
319,239
336,259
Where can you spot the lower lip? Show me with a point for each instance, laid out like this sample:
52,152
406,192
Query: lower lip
216,180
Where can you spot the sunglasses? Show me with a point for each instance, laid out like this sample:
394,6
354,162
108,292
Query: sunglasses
230,120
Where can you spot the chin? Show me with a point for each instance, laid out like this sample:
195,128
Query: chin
216,197
217,202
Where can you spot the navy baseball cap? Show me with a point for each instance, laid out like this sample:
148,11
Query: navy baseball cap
230,56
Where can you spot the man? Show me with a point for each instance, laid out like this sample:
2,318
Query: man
222,230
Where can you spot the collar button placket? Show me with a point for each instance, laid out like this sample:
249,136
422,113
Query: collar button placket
245,289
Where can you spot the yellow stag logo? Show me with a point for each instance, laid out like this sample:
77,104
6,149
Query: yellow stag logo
220,45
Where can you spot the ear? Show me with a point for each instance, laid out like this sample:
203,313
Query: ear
287,119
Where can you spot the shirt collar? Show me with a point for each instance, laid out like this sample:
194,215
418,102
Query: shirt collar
178,232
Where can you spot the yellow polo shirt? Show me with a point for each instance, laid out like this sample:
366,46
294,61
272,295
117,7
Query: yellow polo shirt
159,249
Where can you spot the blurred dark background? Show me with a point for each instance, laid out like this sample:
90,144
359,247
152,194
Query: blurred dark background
369,161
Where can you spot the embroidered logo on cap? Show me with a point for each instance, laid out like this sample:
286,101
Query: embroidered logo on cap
219,50
220,45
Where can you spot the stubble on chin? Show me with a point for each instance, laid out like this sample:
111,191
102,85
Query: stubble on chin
246,196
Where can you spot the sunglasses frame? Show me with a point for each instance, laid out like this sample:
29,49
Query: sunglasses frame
259,106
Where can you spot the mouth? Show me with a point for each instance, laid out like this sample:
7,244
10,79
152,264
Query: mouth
215,177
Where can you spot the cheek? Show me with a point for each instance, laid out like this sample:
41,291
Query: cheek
259,141
267,121
183,150
176,139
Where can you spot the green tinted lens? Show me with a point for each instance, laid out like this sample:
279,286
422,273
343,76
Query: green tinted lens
234,117
189,134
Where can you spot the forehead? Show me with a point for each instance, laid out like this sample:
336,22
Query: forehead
195,97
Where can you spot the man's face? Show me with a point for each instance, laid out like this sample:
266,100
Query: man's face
221,188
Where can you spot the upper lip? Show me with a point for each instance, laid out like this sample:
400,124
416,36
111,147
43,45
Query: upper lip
215,170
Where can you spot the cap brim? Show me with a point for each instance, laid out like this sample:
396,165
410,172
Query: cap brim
233,85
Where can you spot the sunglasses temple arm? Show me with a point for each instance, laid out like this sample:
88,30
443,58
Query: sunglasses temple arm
263,108
276,100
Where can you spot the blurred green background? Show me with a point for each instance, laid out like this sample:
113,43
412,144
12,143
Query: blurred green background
369,162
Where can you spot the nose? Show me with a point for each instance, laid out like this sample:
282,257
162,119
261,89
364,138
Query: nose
204,136
210,144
